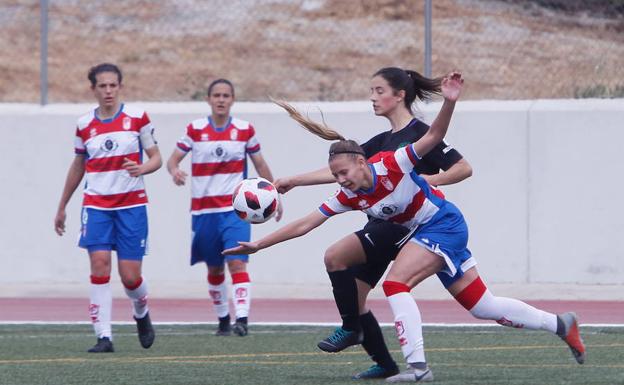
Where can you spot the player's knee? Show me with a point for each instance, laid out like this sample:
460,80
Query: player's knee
333,260
236,266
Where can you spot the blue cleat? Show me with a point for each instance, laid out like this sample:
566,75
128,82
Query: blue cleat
340,340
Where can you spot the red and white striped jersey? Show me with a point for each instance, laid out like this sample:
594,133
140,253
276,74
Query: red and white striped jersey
219,161
106,143
398,194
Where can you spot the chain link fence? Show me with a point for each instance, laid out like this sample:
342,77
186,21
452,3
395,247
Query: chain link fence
312,49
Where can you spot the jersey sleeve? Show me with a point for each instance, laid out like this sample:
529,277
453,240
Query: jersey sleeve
185,143
146,132
403,160
336,204
79,147
442,156
253,145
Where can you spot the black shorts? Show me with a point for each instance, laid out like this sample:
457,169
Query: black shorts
380,241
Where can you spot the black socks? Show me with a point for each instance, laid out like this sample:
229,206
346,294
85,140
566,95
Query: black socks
374,342
346,297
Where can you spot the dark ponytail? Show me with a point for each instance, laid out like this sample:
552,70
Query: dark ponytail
414,84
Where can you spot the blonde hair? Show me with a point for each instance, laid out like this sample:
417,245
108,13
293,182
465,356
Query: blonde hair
343,146
320,130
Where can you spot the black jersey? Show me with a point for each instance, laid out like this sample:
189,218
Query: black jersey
442,156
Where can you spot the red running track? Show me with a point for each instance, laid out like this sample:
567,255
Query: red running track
282,310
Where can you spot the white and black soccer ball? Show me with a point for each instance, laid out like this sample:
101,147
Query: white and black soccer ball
255,200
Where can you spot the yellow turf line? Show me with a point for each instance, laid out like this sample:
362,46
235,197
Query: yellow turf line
215,358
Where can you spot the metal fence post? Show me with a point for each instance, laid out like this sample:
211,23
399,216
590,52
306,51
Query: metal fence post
43,66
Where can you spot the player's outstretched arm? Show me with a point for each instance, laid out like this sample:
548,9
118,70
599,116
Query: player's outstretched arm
451,89
321,176
294,229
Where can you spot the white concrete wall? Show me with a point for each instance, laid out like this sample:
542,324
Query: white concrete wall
543,205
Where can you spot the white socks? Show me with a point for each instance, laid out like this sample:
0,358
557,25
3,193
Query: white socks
138,295
100,307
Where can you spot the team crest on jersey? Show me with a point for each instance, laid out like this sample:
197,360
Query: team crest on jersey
387,183
388,210
234,134
220,152
204,137
109,145
127,123
92,132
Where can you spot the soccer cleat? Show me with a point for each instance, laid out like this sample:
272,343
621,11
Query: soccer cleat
240,328
376,371
340,340
572,337
412,375
103,345
224,329
145,331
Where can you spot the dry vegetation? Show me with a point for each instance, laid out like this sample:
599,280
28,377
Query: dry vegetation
313,49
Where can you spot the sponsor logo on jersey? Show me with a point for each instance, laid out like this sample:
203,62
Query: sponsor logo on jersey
204,137
447,148
127,123
388,210
234,134
402,144
92,132
109,145
363,204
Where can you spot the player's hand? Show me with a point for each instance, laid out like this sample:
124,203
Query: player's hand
280,209
179,177
452,85
133,168
243,248
59,222
284,185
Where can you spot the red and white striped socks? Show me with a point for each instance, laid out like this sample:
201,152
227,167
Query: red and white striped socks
218,292
241,294
407,321
100,306
138,295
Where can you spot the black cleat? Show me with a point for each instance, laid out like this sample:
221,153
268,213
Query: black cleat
103,345
240,327
225,329
145,331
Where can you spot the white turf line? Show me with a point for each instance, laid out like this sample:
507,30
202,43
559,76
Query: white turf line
334,324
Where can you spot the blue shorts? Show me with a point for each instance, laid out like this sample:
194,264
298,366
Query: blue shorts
215,232
446,235
123,230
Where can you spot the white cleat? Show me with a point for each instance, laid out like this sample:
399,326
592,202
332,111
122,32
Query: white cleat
412,375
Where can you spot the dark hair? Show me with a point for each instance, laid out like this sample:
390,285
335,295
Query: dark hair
215,82
414,84
347,147
104,67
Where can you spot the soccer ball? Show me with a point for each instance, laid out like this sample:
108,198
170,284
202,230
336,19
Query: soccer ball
255,200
